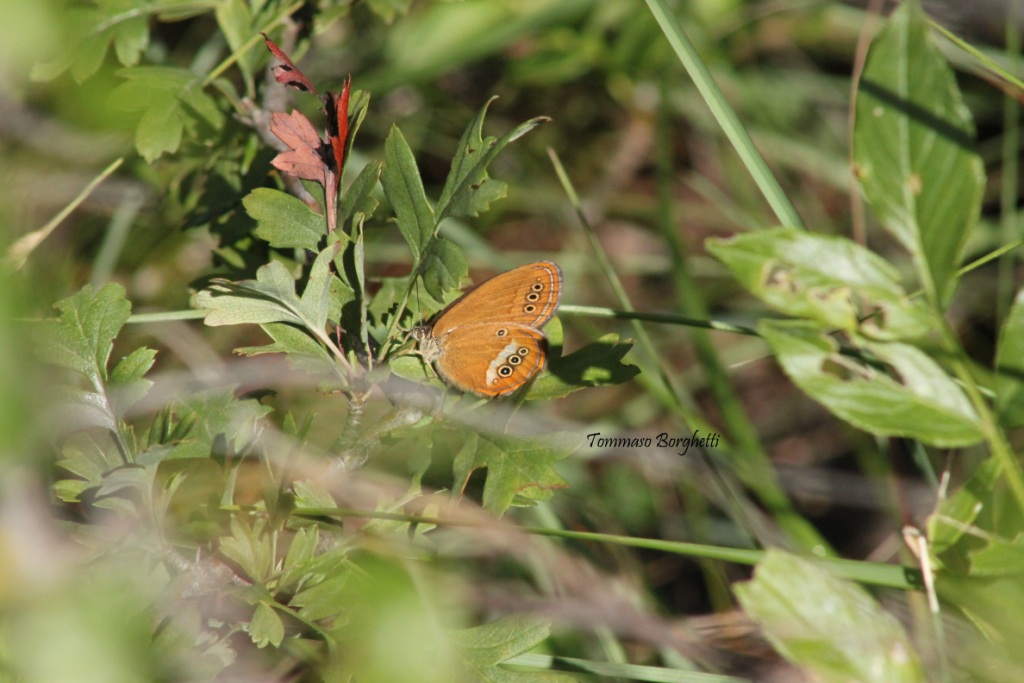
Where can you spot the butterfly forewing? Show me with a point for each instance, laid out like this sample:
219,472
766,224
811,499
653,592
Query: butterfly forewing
526,296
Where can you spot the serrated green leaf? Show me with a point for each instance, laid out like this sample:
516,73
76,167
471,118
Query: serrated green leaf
831,280
829,626
271,297
265,627
468,189
404,189
483,648
444,267
923,403
83,337
913,147
518,466
283,220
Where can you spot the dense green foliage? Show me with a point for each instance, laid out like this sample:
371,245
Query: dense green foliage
221,457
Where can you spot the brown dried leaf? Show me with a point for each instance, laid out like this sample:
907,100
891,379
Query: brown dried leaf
286,72
305,159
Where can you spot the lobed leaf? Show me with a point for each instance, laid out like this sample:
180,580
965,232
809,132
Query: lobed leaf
83,337
283,220
469,189
516,467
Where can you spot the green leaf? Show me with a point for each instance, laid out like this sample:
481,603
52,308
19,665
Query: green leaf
127,380
169,99
829,279
1009,366
388,9
518,466
999,557
310,494
913,148
285,221
271,297
597,364
249,547
358,198
205,417
404,189
922,403
160,130
235,21
303,351
444,267
829,626
469,189
484,648
300,553
83,337
131,38
325,599
265,627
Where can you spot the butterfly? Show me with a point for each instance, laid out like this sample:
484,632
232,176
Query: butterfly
488,341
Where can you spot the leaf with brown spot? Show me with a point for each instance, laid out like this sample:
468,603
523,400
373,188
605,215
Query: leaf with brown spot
286,72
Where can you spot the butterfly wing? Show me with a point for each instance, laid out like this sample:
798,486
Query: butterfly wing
491,359
526,296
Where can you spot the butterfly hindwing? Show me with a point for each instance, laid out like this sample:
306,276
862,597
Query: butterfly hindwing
491,359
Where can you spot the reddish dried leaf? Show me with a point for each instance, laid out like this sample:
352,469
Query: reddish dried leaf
295,130
337,124
336,108
286,72
305,159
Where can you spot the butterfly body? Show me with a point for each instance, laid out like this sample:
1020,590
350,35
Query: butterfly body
488,341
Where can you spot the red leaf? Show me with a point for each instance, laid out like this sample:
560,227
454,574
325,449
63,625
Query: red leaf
305,159
337,124
286,72
336,108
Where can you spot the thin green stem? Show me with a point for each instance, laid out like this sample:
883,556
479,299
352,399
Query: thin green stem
724,114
